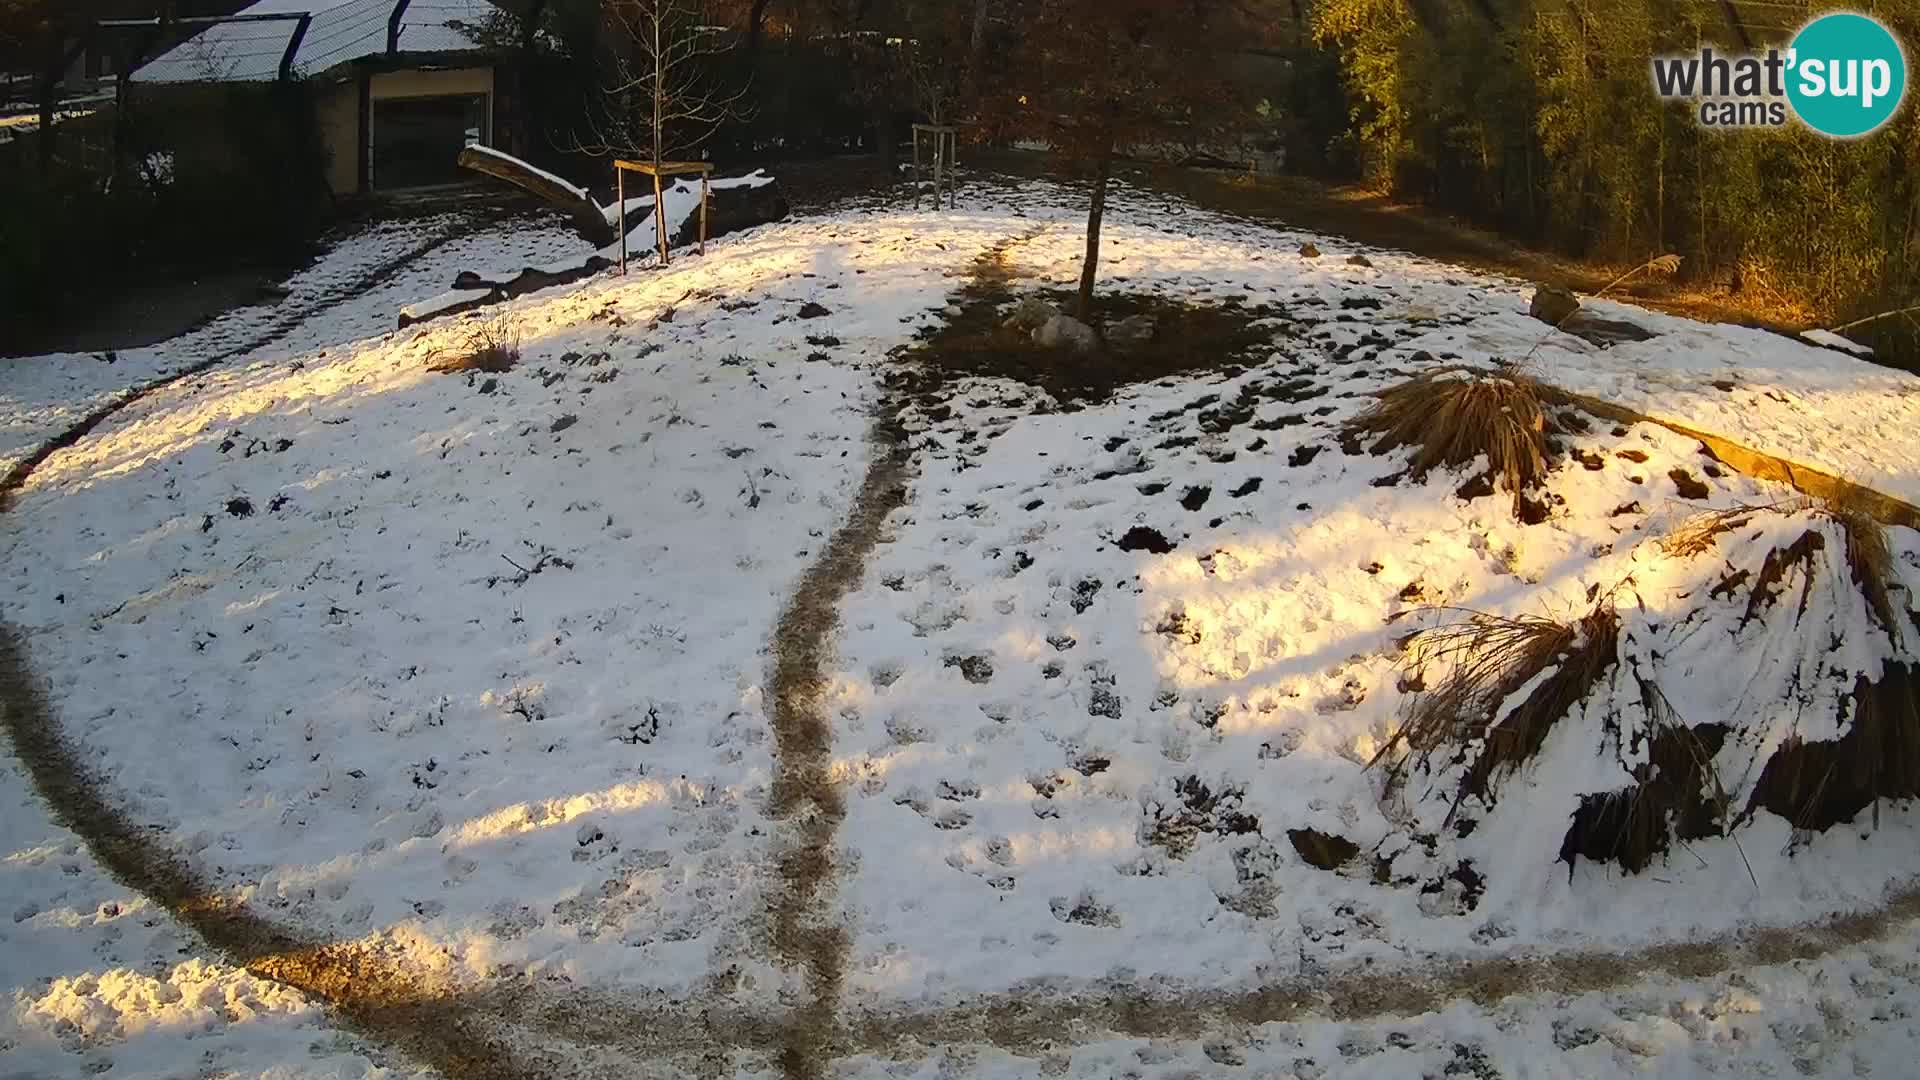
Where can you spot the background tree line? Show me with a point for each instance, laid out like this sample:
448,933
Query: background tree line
1536,117
1532,117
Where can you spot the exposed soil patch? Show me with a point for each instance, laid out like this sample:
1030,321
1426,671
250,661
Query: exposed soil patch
1188,339
803,790
1141,538
1324,850
1176,823
1688,485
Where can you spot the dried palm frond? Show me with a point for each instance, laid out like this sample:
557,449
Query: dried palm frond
1816,785
1870,561
1676,793
1699,532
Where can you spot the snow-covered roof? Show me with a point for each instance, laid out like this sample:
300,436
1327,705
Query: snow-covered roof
341,30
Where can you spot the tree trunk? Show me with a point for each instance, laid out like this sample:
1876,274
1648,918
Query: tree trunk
49,86
756,26
883,135
659,100
1091,268
976,45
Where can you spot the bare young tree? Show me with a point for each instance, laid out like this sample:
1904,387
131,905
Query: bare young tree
935,56
1096,79
666,92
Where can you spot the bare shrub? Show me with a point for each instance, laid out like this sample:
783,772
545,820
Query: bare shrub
491,345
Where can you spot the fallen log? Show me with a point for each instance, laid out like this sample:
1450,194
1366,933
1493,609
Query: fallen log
732,208
586,215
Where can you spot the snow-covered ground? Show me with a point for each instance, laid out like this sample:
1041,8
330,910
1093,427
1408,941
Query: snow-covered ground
470,665
1075,761
104,982
355,290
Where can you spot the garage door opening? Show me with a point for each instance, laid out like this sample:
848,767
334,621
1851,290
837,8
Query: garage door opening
417,140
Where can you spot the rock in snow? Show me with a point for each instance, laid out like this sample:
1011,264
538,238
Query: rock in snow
1552,304
1031,314
1066,332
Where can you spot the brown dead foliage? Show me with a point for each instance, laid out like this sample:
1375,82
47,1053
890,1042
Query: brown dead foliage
1869,559
1490,658
1674,794
489,345
1452,417
1816,785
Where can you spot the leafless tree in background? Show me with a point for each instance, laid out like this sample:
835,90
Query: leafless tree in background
665,93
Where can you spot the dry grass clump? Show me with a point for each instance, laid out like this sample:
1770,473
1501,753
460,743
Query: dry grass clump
1816,785
1869,559
1700,532
1490,658
1676,793
489,345
1452,417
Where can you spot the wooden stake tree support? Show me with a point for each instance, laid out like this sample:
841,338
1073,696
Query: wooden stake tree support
945,139
666,168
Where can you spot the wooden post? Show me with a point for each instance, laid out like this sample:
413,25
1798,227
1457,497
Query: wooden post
620,199
659,219
703,213
937,150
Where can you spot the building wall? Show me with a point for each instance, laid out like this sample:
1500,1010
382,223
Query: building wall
339,112
399,84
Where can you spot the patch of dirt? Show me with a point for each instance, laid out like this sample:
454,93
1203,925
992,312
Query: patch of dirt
1175,823
804,795
1324,850
1188,339
1141,538
1688,485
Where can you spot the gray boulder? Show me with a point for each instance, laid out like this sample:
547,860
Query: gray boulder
1552,304
1066,332
1031,314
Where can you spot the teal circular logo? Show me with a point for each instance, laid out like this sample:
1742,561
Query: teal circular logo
1846,75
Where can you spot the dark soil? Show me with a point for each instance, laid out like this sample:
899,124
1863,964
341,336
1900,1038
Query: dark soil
1188,338
1141,538
1324,850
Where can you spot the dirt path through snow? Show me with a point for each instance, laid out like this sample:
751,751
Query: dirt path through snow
512,1030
